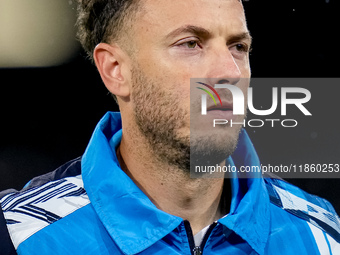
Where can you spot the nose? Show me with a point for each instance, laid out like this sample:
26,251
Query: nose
224,69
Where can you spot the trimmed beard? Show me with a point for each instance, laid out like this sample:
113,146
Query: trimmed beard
159,117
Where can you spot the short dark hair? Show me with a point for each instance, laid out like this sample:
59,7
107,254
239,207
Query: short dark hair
102,21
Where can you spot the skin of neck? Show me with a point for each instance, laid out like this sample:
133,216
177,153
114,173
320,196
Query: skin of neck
169,188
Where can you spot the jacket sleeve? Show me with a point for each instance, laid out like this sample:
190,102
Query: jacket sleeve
6,245
71,168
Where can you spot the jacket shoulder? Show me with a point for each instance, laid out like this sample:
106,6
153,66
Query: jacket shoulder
311,208
31,206
69,169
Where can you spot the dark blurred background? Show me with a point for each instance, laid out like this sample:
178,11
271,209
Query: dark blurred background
52,96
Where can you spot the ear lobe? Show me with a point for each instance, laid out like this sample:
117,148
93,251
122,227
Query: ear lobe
109,60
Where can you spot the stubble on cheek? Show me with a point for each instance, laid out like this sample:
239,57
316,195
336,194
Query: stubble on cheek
160,118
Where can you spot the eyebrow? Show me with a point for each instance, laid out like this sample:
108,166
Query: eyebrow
240,37
204,33
199,31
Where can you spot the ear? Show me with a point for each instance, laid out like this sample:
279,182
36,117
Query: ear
111,63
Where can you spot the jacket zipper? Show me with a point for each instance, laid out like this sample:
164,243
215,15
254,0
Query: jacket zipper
197,250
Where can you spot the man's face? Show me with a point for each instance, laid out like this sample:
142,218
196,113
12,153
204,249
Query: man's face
175,41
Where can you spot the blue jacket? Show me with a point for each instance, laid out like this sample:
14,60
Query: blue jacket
90,206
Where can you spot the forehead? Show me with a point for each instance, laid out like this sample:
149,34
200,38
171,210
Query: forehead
215,15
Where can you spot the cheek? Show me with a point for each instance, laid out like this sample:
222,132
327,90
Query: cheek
244,66
179,84
245,71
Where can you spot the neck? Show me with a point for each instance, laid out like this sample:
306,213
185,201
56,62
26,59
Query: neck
171,189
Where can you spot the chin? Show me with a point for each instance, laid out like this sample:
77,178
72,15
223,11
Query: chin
213,148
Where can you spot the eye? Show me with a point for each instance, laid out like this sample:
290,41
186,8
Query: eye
240,50
191,44
241,47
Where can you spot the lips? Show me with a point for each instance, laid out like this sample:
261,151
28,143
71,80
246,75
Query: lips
224,111
226,106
